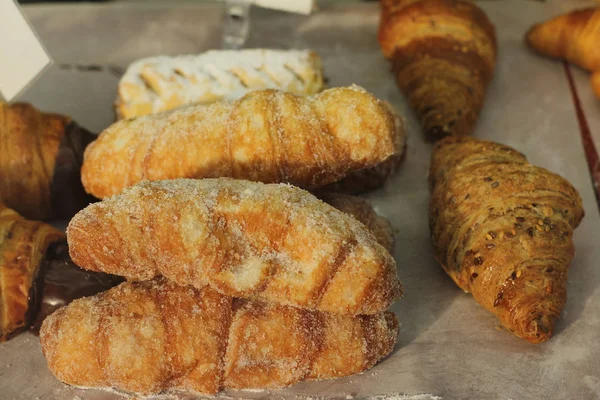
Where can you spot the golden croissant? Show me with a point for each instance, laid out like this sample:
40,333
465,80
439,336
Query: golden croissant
40,162
502,229
364,213
443,54
574,37
274,242
36,275
148,337
267,136
23,245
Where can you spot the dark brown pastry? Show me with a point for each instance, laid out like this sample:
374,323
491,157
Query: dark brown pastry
502,229
443,54
41,161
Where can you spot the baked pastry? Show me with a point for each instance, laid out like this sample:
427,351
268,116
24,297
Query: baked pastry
375,177
40,162
502,229
36,274
267,136
272,242
157,84
364,213
23,244
574,36
443,54
148,337
595,80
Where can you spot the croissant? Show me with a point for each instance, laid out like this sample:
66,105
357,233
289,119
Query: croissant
502,229
364,213
268,136
40,162
595,80
36,275
148,337
443,54
245,239
23,244
574,36
163,83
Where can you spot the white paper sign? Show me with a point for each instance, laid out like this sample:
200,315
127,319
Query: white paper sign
295,6
22,55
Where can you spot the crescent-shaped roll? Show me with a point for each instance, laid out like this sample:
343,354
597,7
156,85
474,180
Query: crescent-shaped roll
23,246
149,337
274,242
502,229
268,136
443,54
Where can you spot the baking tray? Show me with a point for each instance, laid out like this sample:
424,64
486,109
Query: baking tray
449,347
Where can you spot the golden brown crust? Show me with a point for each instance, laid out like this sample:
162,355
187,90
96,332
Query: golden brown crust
502,229
573,36
30,140
23,245
245,239
267,136
375,177
151,336
364,213
595,81
443,53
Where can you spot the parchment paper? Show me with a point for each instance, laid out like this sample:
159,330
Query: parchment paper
449,346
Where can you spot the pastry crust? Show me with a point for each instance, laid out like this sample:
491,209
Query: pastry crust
274,242
364,213
40,162
573,36
443,53
369,179
152,336
23,245
595,81
267,136
502,229
158,84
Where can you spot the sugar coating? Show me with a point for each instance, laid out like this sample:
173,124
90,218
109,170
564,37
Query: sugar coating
152,336
245,239
161,83
268,136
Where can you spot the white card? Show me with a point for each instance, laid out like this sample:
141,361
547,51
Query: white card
295,6
22,55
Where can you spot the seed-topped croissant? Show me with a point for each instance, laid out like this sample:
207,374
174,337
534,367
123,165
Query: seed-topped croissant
502,229
267,136
443,54
273,242
40,162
